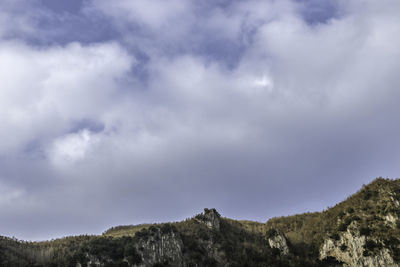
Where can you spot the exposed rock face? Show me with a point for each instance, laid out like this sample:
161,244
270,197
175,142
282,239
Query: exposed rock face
391,219
161,246
350,249
279,241
364,230
211,218
94,262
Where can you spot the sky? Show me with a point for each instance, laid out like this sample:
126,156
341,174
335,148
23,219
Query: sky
139,111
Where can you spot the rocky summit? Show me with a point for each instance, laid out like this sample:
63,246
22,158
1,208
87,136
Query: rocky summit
363,230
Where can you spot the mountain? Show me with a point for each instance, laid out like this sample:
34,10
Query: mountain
363,230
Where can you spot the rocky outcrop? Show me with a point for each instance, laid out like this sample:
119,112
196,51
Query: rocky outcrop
161,245
211,218
350,248
278,240
364,230
391,220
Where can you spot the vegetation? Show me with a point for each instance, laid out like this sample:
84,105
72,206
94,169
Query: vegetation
367,208
372,212
125,230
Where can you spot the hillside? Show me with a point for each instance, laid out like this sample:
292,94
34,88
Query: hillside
363,230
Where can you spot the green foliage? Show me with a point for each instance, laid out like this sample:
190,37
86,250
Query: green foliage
350,210
125,230
396,254
343,226
371,246
364,230
271,233
115,250
335,236
238,243
159,264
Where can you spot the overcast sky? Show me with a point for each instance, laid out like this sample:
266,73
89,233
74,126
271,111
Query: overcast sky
132,111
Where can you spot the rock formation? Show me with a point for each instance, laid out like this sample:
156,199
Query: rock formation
363,230
161,246
278,241
350,248
211,218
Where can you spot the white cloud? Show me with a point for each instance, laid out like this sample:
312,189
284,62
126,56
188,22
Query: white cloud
45,90
295,107
8,194
12,22
72,148
150,13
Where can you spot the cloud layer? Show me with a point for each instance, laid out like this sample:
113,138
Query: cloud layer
134,111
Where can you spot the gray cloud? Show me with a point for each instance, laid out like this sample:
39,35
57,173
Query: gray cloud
164,120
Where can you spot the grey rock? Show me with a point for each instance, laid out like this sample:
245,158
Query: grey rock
350,250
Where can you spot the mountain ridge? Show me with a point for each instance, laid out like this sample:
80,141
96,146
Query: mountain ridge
363,230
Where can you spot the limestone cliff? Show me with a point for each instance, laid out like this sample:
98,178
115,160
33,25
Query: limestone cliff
363,230
279,242
162,246
351,248
211,218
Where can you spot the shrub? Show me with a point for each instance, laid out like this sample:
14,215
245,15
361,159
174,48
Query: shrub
368,194
271,233
343,226
335,236
168,228
153,229
350,210
131,254
159,264
396,254
370,245
365,231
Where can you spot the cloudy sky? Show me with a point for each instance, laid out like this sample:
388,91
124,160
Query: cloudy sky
132,111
